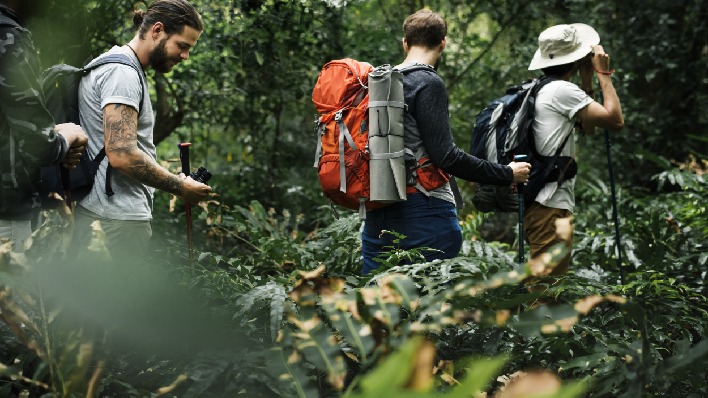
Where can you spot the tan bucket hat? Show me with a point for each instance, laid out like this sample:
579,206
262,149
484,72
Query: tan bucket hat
563,44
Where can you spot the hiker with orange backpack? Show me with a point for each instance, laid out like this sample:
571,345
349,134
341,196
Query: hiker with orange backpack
428,218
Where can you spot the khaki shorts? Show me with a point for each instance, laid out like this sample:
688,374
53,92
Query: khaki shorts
540,233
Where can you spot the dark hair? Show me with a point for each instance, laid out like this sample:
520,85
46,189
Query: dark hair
424,28
174,15
559,70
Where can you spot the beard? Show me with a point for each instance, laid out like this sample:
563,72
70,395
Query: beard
160,61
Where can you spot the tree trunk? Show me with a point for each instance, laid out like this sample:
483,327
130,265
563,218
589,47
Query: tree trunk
167,119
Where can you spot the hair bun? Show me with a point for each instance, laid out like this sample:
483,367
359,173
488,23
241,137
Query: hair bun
139,14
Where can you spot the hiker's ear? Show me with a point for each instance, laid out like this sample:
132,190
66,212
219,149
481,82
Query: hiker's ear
443,44
157,29
405,44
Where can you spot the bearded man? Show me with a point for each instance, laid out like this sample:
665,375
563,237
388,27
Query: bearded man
115,110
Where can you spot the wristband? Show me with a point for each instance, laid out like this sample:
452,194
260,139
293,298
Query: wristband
605,72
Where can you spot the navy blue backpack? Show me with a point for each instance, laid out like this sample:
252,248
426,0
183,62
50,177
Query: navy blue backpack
503,130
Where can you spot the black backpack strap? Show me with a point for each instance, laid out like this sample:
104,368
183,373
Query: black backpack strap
109,171
562,145
123,60
542,81
531,114
459,202
415,67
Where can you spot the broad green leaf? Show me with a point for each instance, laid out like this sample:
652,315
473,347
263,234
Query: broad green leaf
480,374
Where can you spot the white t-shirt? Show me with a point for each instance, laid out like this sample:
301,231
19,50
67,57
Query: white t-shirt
557,104
117,84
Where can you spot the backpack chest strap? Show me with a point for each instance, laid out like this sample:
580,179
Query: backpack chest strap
320,129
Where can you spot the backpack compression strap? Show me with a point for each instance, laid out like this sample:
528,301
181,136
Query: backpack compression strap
123,60
343,133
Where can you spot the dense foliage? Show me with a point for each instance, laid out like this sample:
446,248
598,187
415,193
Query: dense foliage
271,303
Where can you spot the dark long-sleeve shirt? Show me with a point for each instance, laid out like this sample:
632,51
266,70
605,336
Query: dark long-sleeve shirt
27,137
427,101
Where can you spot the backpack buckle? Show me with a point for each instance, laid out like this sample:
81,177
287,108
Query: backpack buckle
338,117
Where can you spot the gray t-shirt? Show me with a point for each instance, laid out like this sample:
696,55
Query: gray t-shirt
117,84
557,105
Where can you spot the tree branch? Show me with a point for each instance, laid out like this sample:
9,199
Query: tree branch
166,119
456,79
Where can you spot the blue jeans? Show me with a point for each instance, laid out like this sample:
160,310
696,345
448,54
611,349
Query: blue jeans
425,221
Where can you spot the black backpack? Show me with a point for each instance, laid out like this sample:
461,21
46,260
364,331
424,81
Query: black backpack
60,84
503,130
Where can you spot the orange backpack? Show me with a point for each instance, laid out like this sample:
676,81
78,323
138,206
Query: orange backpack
341,98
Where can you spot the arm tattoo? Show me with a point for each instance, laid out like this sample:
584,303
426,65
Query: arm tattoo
120,127
145,170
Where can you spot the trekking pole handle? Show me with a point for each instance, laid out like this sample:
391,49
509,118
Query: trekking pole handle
184,157
520,188
520,158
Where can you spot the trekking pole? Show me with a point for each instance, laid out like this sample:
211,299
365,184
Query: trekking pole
184,159
613,195
520,189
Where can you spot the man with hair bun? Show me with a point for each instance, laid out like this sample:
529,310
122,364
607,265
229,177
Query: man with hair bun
429,219
117,113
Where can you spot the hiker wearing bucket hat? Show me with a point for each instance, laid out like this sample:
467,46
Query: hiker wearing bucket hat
428,218
565,51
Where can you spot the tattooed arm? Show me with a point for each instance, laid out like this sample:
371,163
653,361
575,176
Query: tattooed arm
120,126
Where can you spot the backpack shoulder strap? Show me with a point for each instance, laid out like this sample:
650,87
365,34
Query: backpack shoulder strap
562,145
542,81
415,67
118,59
123,60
